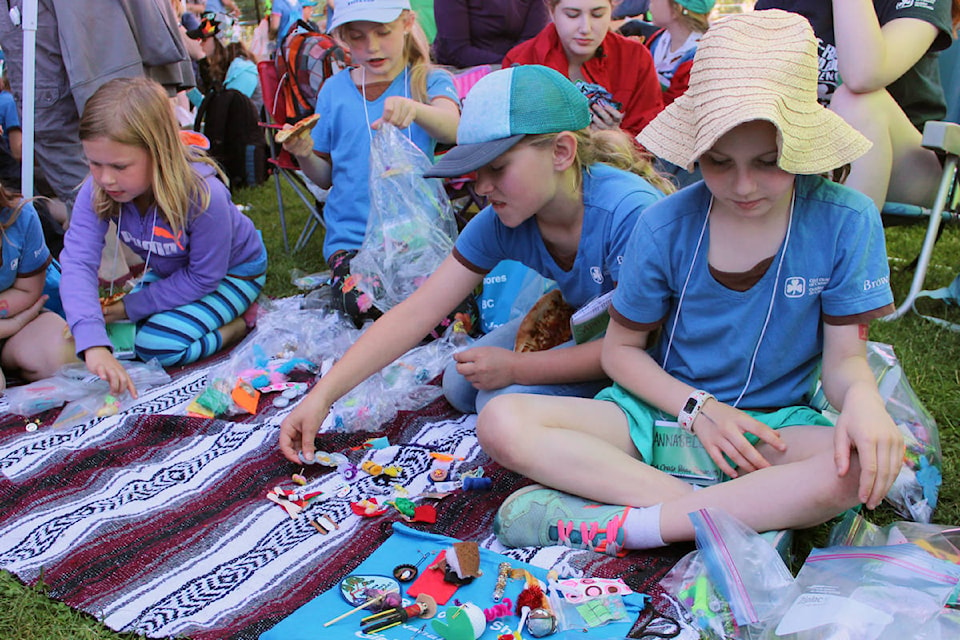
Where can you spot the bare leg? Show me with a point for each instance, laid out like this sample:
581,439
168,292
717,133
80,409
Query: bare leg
801,489
576,445
896,168
233,332
582,447
39,349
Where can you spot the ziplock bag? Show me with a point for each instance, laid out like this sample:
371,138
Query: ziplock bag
746,569
703,605
411,226
914,492
868,593
74,382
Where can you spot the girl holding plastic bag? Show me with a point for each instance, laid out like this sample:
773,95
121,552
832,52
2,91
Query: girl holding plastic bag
392,82
557,203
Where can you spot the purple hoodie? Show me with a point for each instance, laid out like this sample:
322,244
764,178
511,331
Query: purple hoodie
215,242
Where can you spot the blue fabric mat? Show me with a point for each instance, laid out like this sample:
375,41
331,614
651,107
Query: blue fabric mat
406,545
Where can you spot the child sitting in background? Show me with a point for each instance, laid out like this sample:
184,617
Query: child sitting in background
392,82
563,200
756,276
682,23
205,261
33,343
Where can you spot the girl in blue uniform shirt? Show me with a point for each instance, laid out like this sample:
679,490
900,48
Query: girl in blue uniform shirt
392,82
755,276
558,203
33,343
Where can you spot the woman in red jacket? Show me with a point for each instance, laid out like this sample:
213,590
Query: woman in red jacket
579,44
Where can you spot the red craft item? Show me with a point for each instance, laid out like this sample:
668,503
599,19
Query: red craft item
431,582
425,513
367,508
531,596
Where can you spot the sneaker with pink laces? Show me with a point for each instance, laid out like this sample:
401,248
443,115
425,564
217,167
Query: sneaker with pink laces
536,516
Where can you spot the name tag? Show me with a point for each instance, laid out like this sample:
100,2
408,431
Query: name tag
681,455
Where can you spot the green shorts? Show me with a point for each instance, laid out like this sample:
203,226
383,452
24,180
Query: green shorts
641,418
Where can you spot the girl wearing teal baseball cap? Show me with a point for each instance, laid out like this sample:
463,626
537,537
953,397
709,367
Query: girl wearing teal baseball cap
563,200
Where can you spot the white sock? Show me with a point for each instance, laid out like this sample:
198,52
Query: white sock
641,528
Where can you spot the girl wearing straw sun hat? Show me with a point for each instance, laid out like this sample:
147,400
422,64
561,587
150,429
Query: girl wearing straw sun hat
753,277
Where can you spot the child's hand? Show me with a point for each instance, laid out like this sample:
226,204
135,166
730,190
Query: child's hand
115,312
298,145
605,116
865,425
720,429
486,367
398,111
298,430
101,363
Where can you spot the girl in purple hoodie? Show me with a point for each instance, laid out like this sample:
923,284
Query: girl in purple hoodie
205,262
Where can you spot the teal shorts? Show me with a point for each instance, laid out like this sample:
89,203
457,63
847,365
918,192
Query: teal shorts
641,418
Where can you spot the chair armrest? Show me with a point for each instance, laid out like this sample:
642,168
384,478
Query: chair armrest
942,136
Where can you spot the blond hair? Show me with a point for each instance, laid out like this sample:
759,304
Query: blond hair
612,147
698,22
138,113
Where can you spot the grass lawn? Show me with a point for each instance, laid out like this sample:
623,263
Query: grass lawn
930,357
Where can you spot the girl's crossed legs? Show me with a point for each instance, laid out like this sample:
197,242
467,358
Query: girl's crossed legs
583,447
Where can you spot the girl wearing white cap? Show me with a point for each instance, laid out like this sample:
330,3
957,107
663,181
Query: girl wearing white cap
392,82
754,277
563,201
681,23
879,71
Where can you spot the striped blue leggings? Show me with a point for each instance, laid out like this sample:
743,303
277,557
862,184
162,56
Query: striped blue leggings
190,332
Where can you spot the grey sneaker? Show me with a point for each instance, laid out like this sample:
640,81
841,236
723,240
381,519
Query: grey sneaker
536,516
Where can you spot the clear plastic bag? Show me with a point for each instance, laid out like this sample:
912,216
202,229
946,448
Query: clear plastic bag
411,227
74,382
914,492
703,605
403,385
868,593
746,569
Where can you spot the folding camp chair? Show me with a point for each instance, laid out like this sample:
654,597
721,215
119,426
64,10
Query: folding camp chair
943,137
285,165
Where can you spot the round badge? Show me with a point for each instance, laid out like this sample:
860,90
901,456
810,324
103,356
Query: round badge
405,572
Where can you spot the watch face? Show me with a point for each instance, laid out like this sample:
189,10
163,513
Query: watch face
690,406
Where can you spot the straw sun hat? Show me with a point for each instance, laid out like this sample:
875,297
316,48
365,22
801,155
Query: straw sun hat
760,65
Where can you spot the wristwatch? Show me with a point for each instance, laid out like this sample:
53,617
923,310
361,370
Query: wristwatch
691,409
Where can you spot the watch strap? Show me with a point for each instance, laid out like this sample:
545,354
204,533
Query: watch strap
691,409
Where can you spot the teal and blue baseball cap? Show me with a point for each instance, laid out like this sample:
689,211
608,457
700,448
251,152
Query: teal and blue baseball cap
697,6
506,105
